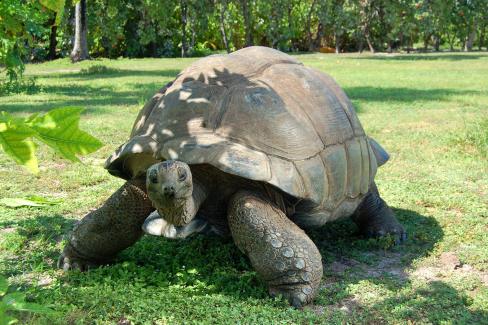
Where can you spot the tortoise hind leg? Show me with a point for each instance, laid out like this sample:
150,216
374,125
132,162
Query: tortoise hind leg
282,254
102,233
374,218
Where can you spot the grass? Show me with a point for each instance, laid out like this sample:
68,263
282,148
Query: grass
429,111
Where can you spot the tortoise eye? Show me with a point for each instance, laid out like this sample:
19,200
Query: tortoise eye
182,175
153,176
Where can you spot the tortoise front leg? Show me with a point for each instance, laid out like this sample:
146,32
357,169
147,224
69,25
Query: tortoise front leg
102,233
374,218
282,254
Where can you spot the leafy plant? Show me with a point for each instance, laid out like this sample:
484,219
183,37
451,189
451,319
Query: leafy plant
30,201
15,301
58,129
20,21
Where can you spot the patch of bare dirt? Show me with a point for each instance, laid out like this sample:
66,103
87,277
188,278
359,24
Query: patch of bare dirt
347,306
448,265
389,264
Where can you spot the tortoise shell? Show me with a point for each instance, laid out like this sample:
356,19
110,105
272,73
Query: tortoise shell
259,114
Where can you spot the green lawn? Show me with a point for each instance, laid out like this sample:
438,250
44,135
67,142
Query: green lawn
429,111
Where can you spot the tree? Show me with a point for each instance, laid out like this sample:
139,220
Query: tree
222,7
183,21
20,22
367,14
246,14
80,47
52,38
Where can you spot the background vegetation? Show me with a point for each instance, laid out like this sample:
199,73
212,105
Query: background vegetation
428,111
163,28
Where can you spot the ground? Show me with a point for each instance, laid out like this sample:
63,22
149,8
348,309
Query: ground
429,111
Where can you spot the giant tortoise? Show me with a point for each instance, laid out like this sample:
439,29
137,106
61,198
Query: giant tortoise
251,144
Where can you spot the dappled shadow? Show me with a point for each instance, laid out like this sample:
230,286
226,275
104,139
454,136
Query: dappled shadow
345,251
171,125
350,259
45,229
209,265
423,57
222,268
227,116
405,95
435,303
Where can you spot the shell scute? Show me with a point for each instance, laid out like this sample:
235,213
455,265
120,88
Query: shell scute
259,114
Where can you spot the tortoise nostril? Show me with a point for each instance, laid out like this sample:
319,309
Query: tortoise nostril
169,190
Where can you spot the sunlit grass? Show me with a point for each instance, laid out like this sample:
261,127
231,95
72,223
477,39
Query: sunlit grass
428,111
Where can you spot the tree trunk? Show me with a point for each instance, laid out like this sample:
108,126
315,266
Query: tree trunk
52,39
482,38
337,42
223,8
289,10
246,13
317,41
309,27
184,14
426,43
193,38
437,42
450,40
365,23
368,40
80,48
468,46
360,44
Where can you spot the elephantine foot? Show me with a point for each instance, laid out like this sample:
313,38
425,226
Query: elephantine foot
375,219
70,260
384,226
281,253
297,295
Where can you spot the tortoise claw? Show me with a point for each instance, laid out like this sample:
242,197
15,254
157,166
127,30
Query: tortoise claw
68,263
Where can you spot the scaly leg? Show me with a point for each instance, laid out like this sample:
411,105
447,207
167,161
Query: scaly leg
102,233
282,254
374,218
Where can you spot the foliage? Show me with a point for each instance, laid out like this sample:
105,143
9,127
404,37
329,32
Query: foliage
22,23
57,128
30,201
15,301
19,23
155,28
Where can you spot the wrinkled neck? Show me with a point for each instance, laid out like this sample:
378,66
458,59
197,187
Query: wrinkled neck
181,211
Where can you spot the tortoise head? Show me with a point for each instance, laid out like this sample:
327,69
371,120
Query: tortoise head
169,187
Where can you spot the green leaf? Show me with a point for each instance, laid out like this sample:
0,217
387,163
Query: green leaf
7,320
13,298
14,141
44,200
17,202
59,129
55,5
3,285
16,301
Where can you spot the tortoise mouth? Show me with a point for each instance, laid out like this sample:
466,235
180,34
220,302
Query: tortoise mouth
173,209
